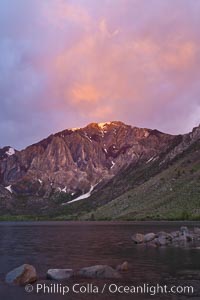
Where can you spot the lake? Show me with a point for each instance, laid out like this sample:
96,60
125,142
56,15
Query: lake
80,244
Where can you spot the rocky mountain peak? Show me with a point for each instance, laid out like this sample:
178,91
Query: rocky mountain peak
74,161
7,152
110,124
104,125
195,134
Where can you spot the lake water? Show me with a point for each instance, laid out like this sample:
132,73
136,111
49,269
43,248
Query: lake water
74,245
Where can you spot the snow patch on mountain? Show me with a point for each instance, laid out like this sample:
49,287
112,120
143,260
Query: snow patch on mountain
10,151
105,150
153,158
88,137
84,196
9,188
146,134
64,190
113,163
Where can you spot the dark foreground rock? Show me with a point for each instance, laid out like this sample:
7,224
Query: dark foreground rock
59,274
22,275
99,271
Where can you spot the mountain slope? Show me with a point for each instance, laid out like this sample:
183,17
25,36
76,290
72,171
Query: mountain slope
174,193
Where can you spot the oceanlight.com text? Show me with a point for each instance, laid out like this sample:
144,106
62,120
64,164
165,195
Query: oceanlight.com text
111,288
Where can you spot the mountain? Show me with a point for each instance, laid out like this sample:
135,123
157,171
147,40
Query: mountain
102,164
167,189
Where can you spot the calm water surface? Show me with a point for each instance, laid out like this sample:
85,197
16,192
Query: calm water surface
74,245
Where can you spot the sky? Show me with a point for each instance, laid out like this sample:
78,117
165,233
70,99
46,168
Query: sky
67,63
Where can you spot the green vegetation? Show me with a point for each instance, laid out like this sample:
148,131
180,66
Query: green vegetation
61,197
21,218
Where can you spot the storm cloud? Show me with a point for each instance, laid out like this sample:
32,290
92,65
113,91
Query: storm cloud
68,63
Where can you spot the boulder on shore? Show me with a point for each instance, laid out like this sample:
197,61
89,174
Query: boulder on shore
59,274
99,271
22,275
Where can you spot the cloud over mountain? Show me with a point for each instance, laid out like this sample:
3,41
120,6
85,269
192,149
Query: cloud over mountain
68,63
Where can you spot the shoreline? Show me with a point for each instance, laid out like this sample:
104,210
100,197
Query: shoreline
112,222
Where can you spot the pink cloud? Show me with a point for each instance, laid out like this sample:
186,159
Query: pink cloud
81,61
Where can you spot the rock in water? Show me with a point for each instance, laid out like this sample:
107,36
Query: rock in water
184,230
162,241
123,267
189,237
149,237
197,230
59,274
22,275
138,238
165,235
99,271
177,238
175,234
